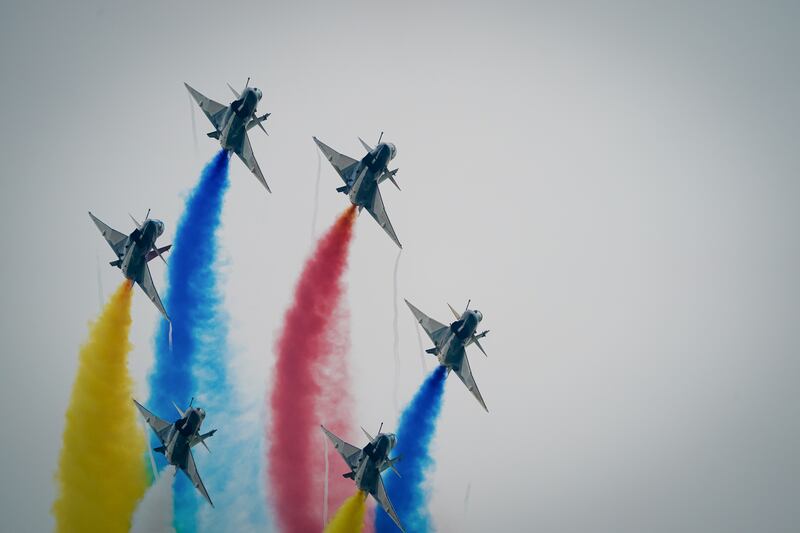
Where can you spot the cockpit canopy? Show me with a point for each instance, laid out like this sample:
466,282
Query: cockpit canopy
392,150
479,315
159,226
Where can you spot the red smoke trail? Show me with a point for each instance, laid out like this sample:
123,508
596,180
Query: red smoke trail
311,361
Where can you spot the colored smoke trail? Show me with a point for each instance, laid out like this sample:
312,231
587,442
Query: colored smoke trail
410,494
196,364
310,370
350,516
102,472
334,403
190,272
154,514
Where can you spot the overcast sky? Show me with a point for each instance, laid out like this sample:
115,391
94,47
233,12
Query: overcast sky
613,184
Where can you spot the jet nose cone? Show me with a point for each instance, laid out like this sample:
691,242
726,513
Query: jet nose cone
478,315
392,150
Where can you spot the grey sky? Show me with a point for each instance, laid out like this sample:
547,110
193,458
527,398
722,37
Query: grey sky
613,184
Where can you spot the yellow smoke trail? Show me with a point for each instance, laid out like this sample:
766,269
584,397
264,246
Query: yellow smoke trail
102,471
350,516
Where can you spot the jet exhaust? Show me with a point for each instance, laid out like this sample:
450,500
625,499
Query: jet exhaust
417,427
350,516
99,411
192,293
310,383
196,363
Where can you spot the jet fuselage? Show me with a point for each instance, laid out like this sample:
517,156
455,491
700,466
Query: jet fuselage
461,332
238,116
373,457
181,436
139,244
368,172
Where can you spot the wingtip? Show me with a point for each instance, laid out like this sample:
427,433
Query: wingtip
480,401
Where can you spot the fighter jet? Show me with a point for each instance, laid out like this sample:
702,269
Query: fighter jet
135,250
178,438
366,465
450,342
232,122
361,178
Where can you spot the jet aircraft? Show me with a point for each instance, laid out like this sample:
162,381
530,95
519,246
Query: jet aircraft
232,122
366,465
178,438
134,251
450,342
361,178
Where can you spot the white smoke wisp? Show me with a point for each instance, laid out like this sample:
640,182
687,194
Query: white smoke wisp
154,514
194,124
396,327
325,483
422,352
100,293
316,197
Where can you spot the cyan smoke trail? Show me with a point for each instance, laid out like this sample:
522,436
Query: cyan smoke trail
410,494
192,299
232,472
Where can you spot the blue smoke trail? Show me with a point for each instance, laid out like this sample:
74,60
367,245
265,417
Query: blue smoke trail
409,494
193,301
